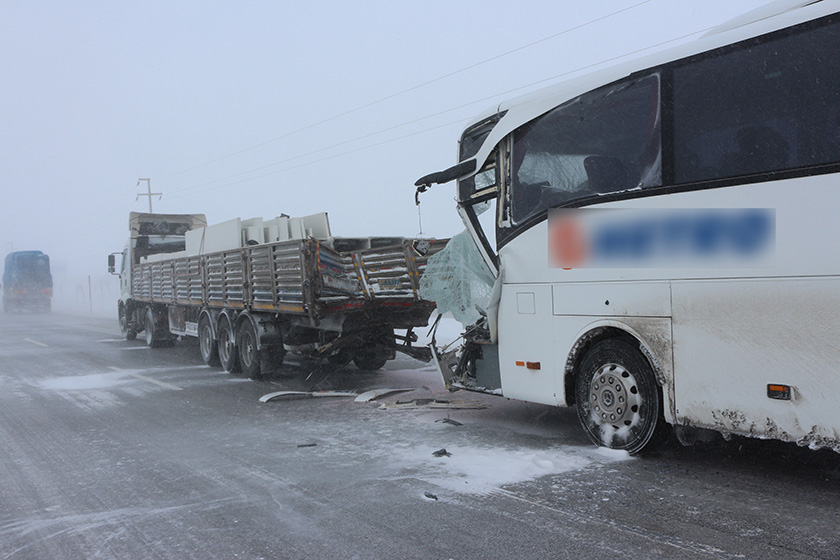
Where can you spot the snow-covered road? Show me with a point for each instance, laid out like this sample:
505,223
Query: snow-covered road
112,450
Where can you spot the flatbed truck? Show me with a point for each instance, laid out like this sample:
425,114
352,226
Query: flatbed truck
253,290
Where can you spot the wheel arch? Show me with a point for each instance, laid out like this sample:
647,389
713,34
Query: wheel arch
214,322
225,315
267,328
658,354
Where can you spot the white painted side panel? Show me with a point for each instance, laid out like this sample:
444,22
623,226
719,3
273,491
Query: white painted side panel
733,338
527,337
622,299
734,329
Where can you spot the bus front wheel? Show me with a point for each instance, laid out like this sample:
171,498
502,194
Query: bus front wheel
618,401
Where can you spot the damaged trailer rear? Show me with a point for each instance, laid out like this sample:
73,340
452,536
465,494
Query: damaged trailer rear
252,290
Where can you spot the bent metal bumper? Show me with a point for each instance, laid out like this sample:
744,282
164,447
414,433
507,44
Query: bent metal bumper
446,361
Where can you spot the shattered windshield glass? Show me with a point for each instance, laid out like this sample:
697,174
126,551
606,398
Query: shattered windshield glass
605,141
458,280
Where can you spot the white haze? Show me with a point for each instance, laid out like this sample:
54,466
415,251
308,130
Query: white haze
206,98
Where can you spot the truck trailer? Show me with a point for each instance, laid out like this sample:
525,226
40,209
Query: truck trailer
252,290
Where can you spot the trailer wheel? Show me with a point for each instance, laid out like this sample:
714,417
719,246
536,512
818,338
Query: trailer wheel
340,358
249,354
156,337
207,343
369,359
127,332
228,355
618,400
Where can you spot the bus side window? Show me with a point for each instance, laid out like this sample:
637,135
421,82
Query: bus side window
758,108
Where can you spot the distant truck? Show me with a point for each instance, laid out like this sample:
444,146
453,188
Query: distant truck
27,282
252,290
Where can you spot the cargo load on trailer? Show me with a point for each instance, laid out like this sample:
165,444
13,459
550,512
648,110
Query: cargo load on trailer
252,290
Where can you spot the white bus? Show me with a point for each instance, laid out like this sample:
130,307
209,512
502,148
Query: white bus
665,239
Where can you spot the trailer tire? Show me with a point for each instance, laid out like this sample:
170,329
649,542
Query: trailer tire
619,404
127,332
249,354
228,354
370,359
207,343
340,358
156,337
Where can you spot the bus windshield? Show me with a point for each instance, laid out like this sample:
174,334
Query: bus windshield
601,142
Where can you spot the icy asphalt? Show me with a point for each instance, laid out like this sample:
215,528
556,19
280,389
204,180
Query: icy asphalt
112,450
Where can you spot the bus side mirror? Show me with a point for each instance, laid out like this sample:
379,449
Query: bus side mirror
112,264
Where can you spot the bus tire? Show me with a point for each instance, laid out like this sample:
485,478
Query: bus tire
619,403
228,353
207,342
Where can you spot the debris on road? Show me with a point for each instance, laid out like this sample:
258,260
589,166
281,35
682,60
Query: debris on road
433,403
374,394
305,394
442,453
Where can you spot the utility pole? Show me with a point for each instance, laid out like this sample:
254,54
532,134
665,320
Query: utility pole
148,192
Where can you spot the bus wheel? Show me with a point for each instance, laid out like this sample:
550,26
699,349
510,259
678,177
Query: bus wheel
618,400
369,359
228,354
207,343
127,332
156,337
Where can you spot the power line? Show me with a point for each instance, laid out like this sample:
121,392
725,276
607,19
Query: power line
407,90
484,99
316,161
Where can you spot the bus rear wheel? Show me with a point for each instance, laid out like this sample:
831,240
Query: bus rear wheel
618,400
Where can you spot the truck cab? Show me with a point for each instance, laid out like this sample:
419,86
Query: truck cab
27,282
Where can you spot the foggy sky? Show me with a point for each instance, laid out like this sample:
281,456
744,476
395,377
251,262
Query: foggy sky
256,108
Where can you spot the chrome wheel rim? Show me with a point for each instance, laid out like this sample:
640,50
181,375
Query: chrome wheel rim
225,344
614,397
247,348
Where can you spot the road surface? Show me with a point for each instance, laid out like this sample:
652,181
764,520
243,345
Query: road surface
111,450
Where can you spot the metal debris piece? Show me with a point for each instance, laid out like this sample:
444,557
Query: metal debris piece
374,394
442,453
305,394
434,403
449,421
